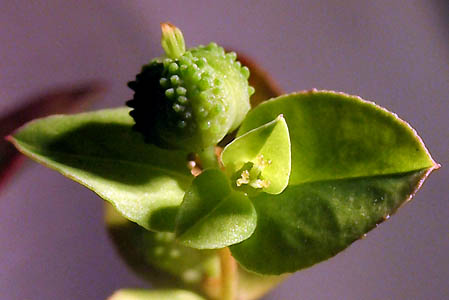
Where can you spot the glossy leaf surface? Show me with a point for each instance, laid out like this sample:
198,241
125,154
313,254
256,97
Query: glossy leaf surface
141,294
213,215
267,150
336,136
353,165
100,151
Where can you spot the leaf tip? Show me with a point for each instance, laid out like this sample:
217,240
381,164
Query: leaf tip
436,165
9,138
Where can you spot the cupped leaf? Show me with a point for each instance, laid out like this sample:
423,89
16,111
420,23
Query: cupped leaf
158,257
213,215
141,294
163,261
336,136
264,85
353,165
99,150
261,157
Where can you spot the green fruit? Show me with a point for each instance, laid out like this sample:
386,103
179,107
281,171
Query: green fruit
189,99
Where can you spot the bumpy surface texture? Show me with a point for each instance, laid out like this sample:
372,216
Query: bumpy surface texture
193,101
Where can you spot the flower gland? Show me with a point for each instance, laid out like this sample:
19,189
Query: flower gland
251,174
189,99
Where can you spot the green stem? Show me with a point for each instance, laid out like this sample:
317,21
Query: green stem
208,158
229,278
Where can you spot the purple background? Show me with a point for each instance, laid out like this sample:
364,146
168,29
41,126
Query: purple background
52,241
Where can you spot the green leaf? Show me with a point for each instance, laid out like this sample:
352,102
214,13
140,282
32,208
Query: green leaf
141,294
353,165
99,150
311,222
59,100
212,215
336,136
261,157
163,261
158,257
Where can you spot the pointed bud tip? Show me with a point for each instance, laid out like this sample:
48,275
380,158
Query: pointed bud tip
280,117
167,27
172,40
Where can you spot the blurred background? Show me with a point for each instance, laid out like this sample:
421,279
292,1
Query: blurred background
53,244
